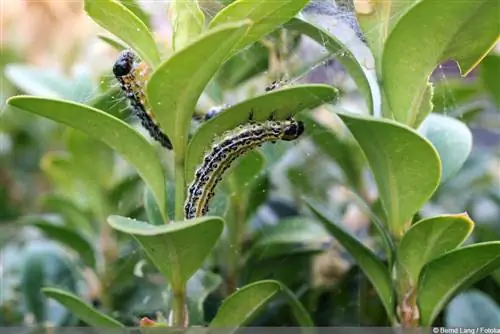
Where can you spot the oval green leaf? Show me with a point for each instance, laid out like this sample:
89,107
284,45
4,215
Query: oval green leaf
463,31
175,87
283,102
441,234
112,131
451,138
120,21
81,309
372,266
265,15
177,249
188,22
405,165
453,271
365,80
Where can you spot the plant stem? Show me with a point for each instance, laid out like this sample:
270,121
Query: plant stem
179,309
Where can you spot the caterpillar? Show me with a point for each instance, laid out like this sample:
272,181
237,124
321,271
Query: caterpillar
223,152
131,73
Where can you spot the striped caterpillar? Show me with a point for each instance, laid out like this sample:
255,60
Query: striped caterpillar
223,152
131,74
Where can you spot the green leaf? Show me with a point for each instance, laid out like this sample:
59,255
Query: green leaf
113,42
188,22
265,15
462,31
405,165
243,305
66,237
120,21
365,81
81,309
198,288
472,309
99,125
73,215
490,67
113,103
177,249
456,270
151,207
441,234
451,138
175,87
372,266
135,8
283,102
292,235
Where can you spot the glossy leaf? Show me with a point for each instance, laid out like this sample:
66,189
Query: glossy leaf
406,166
490,67
120,21
176,249
265,15
289,236
472,309
68,238
81,309
244,305
364,79
188,22
372,266
453,271
283,102
463,31
451,138
441,234
99,125
174,88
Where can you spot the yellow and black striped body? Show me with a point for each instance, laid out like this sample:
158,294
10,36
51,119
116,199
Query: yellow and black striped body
223,152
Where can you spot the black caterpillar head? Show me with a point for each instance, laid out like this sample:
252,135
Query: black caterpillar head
124,63
293,131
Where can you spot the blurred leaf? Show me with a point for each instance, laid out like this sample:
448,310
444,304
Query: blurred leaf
81,309
406,166
117,134
266,16
177,249
472,309
47,83
453,271
292,235
198,288
342,54
463,31
175,87
441,234
135,8
451,138
126,196
112,102
258,194
372,266
113,42
490,67
66,237
284,103
188,21
74,217
152,210
450,94
120,21
243,305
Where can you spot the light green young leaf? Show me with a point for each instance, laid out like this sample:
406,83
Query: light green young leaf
188,22
451,138
99,125
81,309
456,270
405,165
463,31
441,234
177,249
120,21
113,42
